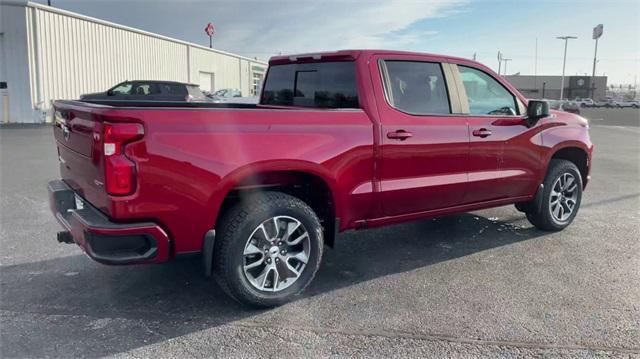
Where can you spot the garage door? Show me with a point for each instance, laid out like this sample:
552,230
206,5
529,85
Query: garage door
206,81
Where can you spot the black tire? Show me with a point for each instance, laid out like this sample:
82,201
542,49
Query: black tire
543,217
233,232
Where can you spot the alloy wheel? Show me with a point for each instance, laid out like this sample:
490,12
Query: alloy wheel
276,253
563,198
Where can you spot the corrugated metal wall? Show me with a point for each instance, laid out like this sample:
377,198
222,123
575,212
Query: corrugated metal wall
225,68
80,56
70,54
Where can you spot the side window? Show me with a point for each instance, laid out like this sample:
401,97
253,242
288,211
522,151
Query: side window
486,95
416,87
175,90
146,89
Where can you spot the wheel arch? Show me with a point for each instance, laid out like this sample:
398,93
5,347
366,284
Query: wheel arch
575,154
307,181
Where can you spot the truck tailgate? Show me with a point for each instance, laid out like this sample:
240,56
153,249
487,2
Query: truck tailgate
77,134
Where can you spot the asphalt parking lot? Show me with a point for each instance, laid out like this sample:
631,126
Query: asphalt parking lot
478,284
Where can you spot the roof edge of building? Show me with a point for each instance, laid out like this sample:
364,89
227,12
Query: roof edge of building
122,27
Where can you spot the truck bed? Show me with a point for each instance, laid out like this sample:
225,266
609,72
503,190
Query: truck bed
193,154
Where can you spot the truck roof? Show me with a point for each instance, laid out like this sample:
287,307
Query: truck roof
164,82
353,54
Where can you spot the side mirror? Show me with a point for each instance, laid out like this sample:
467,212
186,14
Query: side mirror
537,109
110,93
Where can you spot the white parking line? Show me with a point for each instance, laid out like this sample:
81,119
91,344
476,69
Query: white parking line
623,128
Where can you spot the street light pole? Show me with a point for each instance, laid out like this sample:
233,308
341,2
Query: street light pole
597,32
564,61
505,65
593,74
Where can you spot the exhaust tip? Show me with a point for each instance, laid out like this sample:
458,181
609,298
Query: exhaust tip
65,237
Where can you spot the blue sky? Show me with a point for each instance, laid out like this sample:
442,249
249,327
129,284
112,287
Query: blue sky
454,27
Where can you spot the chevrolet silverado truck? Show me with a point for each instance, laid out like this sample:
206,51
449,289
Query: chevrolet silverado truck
340,140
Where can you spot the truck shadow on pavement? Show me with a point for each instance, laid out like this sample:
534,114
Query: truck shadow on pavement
73,307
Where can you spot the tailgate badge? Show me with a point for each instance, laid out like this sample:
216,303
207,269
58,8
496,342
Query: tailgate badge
65,132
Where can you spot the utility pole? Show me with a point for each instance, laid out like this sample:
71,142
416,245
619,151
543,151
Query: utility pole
597,32
535,67
499,61
564,61
505,65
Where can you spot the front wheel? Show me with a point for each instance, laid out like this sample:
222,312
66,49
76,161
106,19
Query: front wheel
561,197
268,250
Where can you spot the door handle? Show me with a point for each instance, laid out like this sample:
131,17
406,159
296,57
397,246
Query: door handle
482,132
399,135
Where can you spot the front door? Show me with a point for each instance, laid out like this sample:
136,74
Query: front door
503,156
424,142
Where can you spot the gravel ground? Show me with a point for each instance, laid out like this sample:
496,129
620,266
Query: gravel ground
481,284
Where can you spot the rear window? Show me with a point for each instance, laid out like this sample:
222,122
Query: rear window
322,85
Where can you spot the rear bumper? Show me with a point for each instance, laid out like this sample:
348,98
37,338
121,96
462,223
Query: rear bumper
105,241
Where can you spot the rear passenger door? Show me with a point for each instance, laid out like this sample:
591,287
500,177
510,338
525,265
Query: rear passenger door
424,138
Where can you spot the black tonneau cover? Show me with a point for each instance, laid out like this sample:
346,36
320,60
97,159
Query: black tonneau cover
192,104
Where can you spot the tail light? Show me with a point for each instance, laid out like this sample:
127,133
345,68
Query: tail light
120,171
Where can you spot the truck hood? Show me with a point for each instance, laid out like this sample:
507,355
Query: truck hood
570,118
93,95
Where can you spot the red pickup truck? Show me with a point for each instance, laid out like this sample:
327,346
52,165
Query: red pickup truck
340,140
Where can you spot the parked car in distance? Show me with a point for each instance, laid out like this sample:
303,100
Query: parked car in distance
238,100
607,102
584,102
629,103
148,90
341,140
232,96
225,93
564,105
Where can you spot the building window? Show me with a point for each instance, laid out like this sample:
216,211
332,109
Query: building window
256,83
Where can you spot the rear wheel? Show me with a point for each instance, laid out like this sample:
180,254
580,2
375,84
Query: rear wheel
561,197
268,250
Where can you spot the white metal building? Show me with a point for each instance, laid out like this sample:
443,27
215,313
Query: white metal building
48,53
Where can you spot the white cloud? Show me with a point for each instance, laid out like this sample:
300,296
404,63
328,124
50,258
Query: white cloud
265,28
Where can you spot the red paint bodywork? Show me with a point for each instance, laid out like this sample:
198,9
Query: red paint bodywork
191,158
